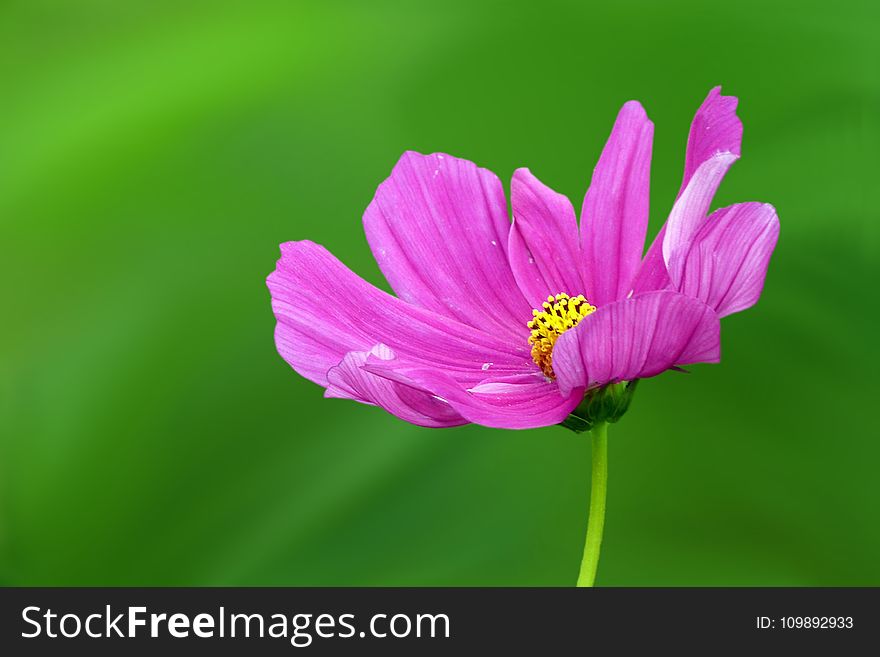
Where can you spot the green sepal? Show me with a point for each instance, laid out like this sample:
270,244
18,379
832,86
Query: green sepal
605,404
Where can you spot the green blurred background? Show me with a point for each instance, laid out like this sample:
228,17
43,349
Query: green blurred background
152,157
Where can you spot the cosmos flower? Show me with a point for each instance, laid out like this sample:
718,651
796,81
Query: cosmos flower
510,324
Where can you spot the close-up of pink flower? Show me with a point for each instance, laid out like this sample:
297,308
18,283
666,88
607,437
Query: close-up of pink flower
395,302
509,324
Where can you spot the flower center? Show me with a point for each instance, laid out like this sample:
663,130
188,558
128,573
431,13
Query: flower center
559,314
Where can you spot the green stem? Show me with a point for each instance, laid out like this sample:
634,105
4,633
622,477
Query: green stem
596,521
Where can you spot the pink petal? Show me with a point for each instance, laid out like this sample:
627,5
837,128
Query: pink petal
725,263
349,380
438,229
715,129
544,247
614,217
692,206
520,401
636,338
324,311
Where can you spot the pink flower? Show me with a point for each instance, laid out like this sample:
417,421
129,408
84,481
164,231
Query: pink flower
510,324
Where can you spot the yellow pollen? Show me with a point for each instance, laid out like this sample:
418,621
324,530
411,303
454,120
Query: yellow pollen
559,314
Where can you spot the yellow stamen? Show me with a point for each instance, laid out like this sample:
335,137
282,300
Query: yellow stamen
559,314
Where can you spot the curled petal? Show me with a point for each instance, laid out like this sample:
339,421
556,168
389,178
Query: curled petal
324,311
349,380
715,129
614,217
636,338
544,249
725,263
438,230
691,208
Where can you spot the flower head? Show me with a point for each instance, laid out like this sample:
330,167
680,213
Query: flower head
510,324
